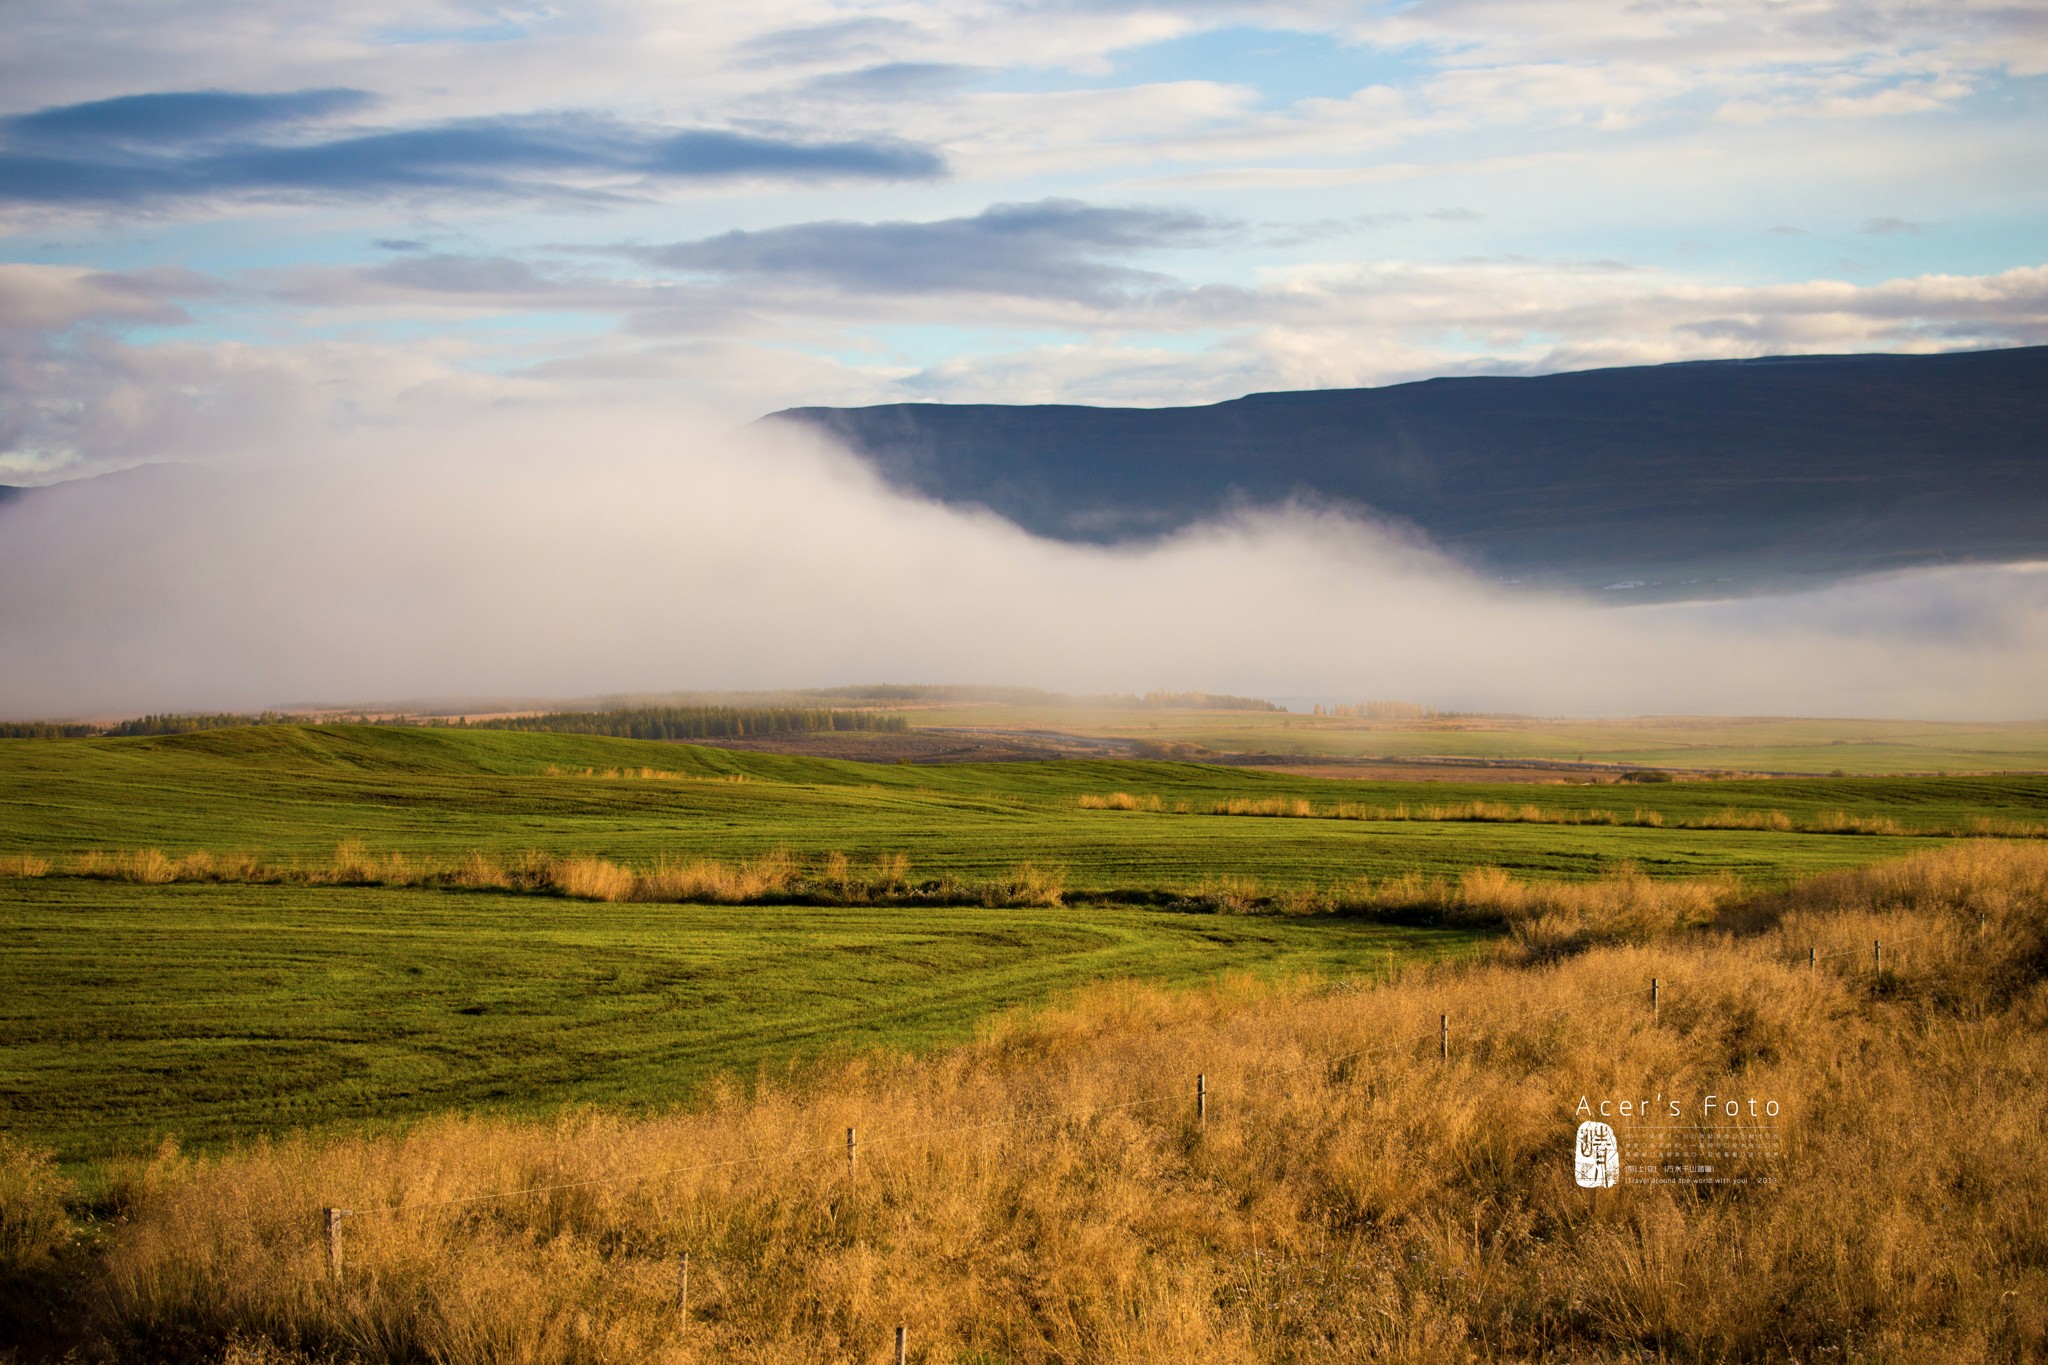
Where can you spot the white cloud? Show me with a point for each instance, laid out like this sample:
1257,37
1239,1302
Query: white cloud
40,299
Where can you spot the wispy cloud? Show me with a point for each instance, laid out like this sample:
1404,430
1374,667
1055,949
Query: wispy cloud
1893,227
142,150
1055,248
173,118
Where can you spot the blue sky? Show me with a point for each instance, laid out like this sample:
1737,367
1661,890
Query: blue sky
221,221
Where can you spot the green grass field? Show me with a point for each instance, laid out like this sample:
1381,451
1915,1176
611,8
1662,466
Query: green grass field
1704,743
219,1011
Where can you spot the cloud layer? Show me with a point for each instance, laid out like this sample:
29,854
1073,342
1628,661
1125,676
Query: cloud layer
801,201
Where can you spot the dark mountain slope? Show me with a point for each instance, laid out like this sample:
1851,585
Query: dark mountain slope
1759,468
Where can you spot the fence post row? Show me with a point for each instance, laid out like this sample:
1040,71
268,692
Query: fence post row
331,1216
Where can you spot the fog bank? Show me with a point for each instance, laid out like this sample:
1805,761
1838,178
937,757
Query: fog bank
523,553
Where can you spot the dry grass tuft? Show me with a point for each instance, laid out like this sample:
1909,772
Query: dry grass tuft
148,865
719,882
1120,801
35,1225
479,872
591,879
1292,807
1547,918
1028,884
24,865
1230,895
1731,818
1044,1195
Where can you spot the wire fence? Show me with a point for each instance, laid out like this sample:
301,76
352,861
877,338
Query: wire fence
1054,1117
333,1217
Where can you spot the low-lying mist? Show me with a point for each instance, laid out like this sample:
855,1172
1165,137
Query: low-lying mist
564,554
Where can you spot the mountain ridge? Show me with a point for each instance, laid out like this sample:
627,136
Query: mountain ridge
1781,467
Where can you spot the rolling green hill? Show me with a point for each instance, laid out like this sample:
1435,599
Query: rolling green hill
291,791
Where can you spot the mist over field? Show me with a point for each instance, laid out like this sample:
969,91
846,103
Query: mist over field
567,551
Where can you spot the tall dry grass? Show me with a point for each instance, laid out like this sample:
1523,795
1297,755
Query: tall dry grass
1541,918
1119,801
23,865
1292,807
773,877
1045,1194
1499,812
641,774
35,1225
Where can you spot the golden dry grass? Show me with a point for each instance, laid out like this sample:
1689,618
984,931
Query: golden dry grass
640,774
1293,807
1045,1194
1497,812
777,876
1542,916
590,879
1119,801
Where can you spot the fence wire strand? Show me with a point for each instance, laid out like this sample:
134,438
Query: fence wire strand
1054,1117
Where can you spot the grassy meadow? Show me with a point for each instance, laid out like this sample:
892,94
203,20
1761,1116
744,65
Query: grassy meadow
1046,1192
240,932
216,1012
1699,743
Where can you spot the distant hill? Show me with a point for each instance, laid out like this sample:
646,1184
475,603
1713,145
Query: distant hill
1747,471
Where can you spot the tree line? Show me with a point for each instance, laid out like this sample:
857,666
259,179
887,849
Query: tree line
700,722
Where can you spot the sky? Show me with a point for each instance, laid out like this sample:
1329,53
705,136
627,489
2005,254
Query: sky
462,312
222,221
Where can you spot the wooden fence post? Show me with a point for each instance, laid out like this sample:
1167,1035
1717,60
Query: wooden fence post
683,1287
851,1147
1443,1037
331,1218
1810,959
1877,956
1656,1014
902,1341
1202,1099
